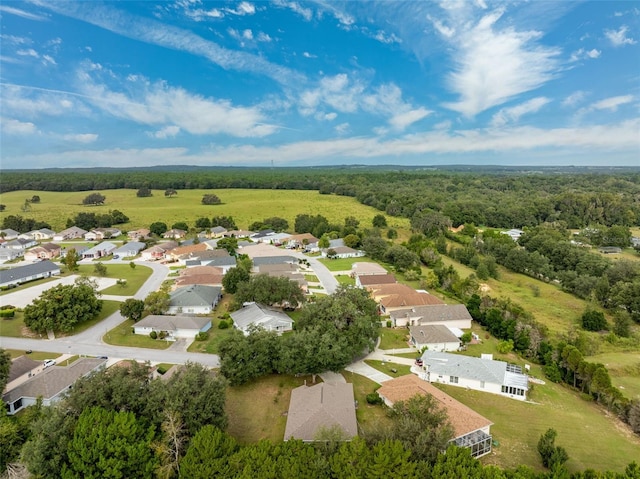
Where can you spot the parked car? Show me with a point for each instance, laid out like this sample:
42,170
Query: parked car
48,363
419,362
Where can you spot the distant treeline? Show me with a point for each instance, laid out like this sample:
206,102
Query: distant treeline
502,199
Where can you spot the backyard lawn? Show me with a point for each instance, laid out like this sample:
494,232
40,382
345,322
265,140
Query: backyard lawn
370,417
258,410
592,438
389,368
393,338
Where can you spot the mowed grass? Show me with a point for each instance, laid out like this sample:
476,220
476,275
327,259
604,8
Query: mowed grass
28,285
246,206
592,437
389,368
135,277
258,410
370,417
35,355
391,338
211,345
343,264
122,335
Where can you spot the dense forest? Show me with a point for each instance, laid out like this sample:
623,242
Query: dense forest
496,198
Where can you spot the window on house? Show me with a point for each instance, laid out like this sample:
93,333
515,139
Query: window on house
453,379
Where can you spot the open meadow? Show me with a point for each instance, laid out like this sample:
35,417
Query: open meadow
246,206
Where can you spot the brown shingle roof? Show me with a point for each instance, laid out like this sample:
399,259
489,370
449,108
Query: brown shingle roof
375,279
463,419
412,299
198,270
180,250
206,279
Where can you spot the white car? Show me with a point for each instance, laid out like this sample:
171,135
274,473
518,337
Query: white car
49,362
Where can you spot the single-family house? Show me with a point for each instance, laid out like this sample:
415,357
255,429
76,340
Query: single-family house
300,241
203,256
194,299
366,280
30,272
158,251
22,366
256,315
9,234
176,253
71,233
174,233
200,270
260,261
238,234
470,429
217,231
132,248
392,297
44,251
342,252
98,234
79,251
434,337
450,315
514,234
269,268
225,263
20,244
9,254
262,236
49,384
364,268
140,234
315,410
39,235
203,279
100,250
480,374
176,327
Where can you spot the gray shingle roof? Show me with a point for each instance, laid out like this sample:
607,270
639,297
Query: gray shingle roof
260,315
173,323
433,333
472,368
433,313
20,366
22,272
194,295
131,246
221,261
260,260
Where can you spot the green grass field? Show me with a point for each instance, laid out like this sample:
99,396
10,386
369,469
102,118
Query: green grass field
345,279
135,277
246,206
27,285
122,335
391,338
343,264
35,355
370,418
592,438
624,369
388,368
212,344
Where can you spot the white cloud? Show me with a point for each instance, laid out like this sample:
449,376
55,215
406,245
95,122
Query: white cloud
342,128
30,52
513,114
247,34
15,40
166,132
403,120
583,54
496,64
619,37
445,31
33,102
21,13
304,12
327,116
263,37
309,55
573,99
245,8
383,37
81,137
9,126
612,103
157,103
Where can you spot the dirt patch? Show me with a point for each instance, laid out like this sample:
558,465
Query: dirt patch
484,288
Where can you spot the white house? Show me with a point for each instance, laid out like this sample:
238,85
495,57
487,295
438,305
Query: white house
102,233
260,316
49,384
9,254
514,234
194,299
343,252
132,248
481,374
434,338
70,234
100,250
176,327
9,234
30,272
39,235
450,315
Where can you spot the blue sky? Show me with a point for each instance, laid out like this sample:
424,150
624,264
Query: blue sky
317,83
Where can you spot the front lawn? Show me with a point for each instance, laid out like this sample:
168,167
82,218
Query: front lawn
345,279
212,344
122,335
35,355
343,264
370,418
28,285
388,368
391,338
258,410
135,277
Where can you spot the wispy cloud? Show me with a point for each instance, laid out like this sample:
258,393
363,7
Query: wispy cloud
384,37
582,54
10,126
574,99
309,55
166,132
27,102
22,13
612,103
495,64
619,37
513,114
157,33
157,103
15,40
80,137
304,12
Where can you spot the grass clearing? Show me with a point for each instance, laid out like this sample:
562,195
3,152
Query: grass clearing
122,335
345,279
624,369
592,437
370,417
389,368
56,207
135,277
311,278
35,355
343,264
257,410
391,338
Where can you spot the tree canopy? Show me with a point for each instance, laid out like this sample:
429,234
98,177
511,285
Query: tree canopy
211,199
269,290
94,199
61,308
